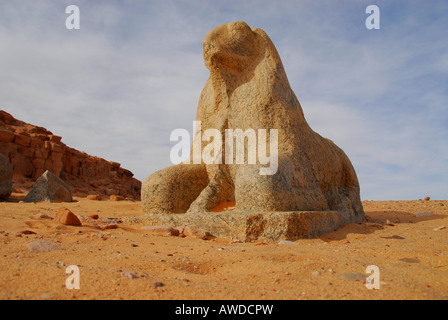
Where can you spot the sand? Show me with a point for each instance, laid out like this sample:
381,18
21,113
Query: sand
411,254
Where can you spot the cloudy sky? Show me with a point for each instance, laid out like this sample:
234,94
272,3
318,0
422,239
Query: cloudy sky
133,72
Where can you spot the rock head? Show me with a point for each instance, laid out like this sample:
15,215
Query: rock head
248,89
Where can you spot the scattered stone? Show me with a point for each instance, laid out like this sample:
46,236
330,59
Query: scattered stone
49,188
94,216
27,232
388,223
158,284
42,246
288,242
65,216
261,243
41,215
439,228
353,276
393,237
344,241
116,198
94,197
424,213
196,232
161,230
427,198
129,275
107,226
6,173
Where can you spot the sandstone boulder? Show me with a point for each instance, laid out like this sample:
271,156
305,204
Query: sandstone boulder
6,174
65,216
248,89
49,188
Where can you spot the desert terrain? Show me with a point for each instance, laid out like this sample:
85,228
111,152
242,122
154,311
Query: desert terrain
406,240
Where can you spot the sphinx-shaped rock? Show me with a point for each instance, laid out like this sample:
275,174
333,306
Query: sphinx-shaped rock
49,188
5,177
248,89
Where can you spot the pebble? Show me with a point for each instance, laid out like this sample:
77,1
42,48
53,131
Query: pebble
288,242
353,276
158,284
42,246
439,228
129,275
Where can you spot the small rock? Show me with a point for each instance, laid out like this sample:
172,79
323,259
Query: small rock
439,228
65,216
94,197
107,226
344,241
261,243
42,246
158,284
288,242
94,216
196,232
161,230
353,276
116,198
427,198
27,232
388,223
41,215
129,275
393,237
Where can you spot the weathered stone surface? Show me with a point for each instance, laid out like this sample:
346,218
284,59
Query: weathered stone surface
42,246
6,174
32,150
65,216
161,230
49,188
251,226
248,89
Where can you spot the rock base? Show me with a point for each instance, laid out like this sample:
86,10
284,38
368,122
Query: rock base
252,226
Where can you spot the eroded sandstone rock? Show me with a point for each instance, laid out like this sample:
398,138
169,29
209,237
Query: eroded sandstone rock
32,150
49,188
248,89
5,177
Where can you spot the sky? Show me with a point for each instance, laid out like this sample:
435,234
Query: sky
133,72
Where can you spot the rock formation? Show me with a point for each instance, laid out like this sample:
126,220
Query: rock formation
49,188
248,89
32,150
5,177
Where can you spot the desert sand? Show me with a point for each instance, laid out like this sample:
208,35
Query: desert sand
409,248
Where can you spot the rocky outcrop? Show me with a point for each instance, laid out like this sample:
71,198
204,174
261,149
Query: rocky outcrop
49,188
248,89
5,177
32,150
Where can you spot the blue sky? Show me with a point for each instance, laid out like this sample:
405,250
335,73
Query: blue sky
134,71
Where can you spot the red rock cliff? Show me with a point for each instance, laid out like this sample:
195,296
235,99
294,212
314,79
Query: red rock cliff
32,150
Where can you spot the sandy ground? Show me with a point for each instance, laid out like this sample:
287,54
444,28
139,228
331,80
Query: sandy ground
411,253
